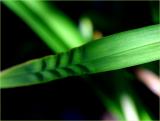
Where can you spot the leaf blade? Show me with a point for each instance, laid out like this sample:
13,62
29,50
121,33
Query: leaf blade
85,59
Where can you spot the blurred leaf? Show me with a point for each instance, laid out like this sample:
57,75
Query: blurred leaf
109,103
128,108
155,13
116,51
142,113
55,29
131,110
86,28
124,93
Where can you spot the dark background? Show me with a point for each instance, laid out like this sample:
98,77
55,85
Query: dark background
73,97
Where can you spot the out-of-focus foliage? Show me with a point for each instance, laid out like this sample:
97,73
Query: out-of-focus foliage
55,29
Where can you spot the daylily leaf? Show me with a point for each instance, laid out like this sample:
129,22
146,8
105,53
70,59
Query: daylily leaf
116,51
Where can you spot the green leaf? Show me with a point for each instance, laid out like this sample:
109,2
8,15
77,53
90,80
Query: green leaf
116,51
55,29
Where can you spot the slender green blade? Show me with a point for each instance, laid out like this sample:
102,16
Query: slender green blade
116,51
55,29
131,109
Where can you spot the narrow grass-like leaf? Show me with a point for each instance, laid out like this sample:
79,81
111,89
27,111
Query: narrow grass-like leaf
128,108
116,51
56,29
109,103
125,97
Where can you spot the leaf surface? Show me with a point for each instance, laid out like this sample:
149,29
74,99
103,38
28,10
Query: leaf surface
116,51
